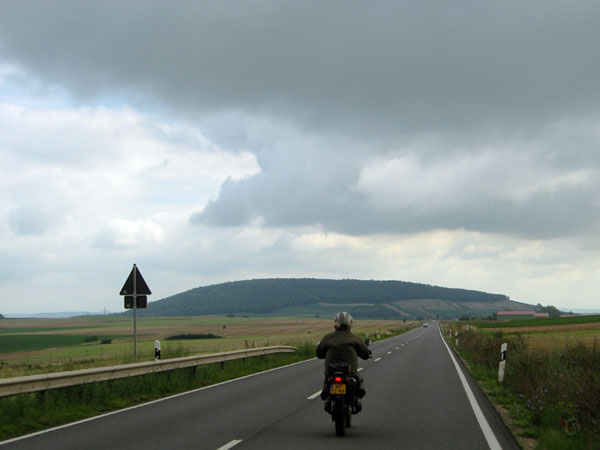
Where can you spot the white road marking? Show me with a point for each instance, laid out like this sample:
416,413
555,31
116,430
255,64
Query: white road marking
389,353
397,348
315,395
377,359
360,368
230,444
489,435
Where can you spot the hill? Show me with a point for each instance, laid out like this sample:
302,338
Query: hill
321,297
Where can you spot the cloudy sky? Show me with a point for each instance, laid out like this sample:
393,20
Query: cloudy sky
450,143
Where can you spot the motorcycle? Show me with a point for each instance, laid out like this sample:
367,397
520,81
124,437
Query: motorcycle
343,396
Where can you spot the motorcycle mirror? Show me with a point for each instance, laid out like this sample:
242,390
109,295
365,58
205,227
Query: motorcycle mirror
368,341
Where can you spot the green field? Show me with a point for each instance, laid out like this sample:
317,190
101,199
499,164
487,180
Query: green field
547,333
37,330
537,322
26,342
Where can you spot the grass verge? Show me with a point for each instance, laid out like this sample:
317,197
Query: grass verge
551,397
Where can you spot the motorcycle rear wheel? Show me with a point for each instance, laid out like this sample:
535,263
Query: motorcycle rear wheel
340,425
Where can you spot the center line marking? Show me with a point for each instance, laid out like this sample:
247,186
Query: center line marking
389,353
230,444
360,368
377,359
315,395
397,348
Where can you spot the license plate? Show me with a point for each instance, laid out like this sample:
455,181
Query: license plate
337,389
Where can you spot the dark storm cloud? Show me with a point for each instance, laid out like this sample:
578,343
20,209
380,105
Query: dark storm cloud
341,65
434,80
567,212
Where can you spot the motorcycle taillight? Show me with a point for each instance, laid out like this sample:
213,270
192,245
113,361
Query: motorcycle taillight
337,380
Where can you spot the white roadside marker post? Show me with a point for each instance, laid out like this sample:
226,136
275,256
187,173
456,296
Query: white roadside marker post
156,350
502,362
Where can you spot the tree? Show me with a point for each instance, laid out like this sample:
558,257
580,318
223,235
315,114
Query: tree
552,311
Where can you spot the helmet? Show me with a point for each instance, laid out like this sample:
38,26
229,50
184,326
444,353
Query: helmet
343,319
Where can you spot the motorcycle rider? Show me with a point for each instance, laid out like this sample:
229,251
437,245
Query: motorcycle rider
342,346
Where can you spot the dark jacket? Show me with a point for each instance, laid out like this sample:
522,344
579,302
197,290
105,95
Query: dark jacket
342,346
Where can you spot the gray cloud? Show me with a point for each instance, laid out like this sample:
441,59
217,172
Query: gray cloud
31,219
539,189
326,94
357,68
543,216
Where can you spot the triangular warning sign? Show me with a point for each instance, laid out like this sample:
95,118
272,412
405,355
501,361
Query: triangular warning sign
141,287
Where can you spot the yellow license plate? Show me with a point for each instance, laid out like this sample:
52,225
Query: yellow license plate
337,389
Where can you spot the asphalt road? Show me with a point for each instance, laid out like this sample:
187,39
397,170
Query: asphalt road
415,400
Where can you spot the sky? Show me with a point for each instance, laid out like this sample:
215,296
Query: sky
450,143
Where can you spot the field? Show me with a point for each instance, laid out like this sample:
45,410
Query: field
574,320
29,346
549,333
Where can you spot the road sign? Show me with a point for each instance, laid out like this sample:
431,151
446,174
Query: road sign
141,301
141,287
135,291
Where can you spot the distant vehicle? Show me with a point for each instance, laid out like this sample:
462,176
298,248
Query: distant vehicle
425,325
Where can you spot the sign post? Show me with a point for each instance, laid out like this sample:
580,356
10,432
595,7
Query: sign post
135,291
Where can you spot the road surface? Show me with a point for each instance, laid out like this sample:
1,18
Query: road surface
415,400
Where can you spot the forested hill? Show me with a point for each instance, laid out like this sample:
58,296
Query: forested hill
308,296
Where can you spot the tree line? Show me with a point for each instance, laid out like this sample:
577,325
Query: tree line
263,296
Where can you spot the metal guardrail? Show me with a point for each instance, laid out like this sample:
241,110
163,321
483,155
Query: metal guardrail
44,382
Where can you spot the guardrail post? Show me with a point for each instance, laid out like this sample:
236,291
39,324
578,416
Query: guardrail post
503,348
